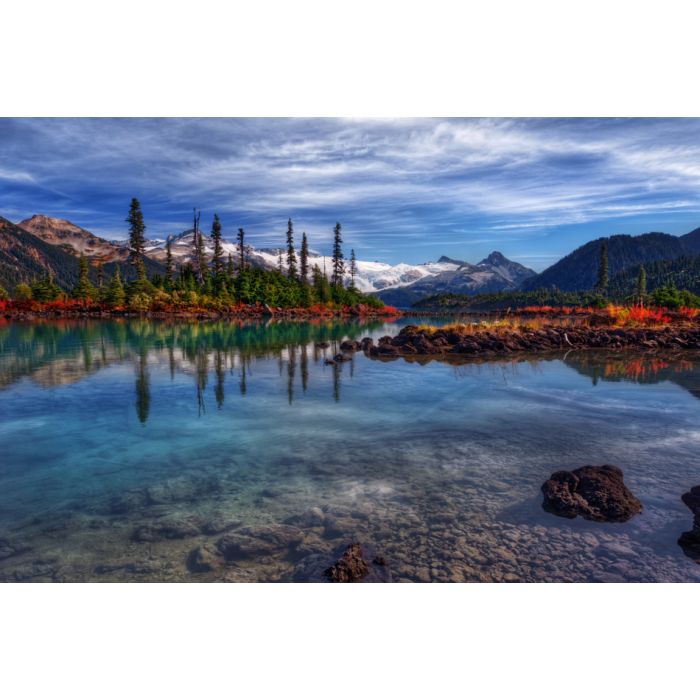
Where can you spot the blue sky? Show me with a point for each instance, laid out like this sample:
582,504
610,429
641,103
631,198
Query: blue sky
404,190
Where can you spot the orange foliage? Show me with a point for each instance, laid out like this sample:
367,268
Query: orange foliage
637,315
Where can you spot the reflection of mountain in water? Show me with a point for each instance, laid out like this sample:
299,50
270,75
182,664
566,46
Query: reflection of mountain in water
64,352
683,370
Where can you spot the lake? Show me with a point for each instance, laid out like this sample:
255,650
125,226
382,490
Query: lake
141,450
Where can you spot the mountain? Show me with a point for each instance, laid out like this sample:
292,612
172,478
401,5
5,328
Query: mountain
371,276
74,240
691,241
579,270
494,273
24,257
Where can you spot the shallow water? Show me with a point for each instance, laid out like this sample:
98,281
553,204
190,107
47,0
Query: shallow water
156,451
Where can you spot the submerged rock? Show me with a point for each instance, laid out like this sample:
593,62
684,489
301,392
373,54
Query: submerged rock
341,358
262,541
354,563
594,493
690,541
11,549
167,530
203,559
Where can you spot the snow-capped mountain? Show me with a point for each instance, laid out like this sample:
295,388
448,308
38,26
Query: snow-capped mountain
494,273
371,276
399,284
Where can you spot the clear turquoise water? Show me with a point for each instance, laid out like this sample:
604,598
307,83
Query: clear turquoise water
127,446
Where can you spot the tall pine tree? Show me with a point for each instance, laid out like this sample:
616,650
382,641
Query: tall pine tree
338,264
291,254
218,259
169,269
304,259
240,239
353,269
198,255
137,238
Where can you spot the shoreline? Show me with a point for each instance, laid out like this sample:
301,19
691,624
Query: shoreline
247,313
452,344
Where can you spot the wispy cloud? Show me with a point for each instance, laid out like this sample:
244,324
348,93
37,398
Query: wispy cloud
403,189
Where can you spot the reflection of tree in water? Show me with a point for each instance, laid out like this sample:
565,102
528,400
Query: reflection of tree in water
143,387
681,369
291,371
219,367
63,351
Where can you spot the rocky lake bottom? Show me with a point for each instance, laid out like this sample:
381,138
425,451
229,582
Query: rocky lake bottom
139,450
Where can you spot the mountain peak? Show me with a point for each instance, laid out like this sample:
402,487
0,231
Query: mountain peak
445,259
71,237
495,258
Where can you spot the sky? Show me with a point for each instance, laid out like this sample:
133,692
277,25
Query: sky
404,190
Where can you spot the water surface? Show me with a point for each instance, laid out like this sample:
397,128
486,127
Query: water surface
125,446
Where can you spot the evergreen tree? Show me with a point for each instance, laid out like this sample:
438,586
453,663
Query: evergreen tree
199,255
603,274
338,264
218,259
641,284
115,290
230,270
46,289
240,239
322,289
291,254
137,237
84,289
304,259
100,272
353,269
280,264
169,262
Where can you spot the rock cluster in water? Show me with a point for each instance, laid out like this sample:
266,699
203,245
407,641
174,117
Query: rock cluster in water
414,340
690,541
354,563
594,493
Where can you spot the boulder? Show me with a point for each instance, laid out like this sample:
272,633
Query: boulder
350,345
203,559
268,540
366,343
690,541
594,493
354,563
341,358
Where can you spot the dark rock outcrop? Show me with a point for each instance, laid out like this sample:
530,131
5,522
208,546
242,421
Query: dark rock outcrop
350,345
594,493
690,541
354,563
475,341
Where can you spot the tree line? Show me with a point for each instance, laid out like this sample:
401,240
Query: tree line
216,282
